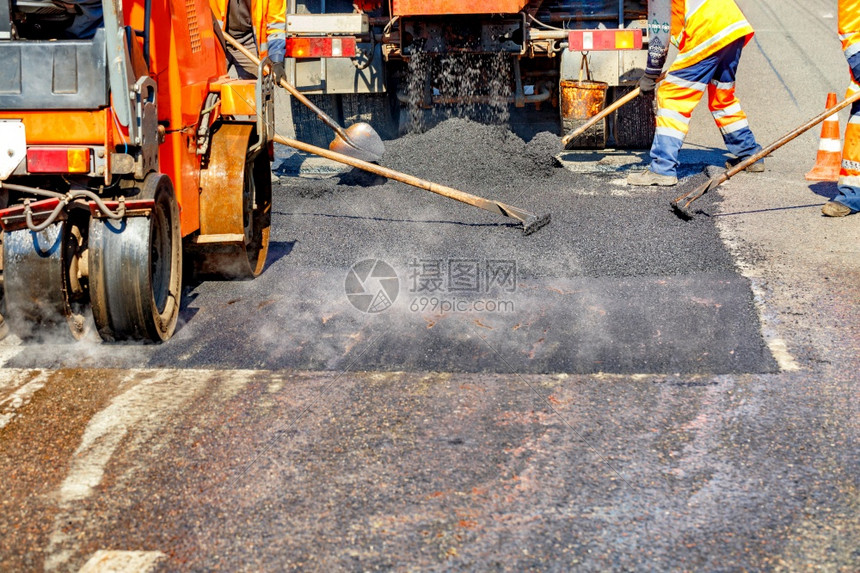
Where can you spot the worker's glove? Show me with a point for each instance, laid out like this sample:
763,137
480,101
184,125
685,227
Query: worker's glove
278,72
648,82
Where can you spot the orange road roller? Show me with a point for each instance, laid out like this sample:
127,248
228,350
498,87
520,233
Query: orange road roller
127,154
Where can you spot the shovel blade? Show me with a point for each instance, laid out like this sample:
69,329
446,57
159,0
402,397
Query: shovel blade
363,143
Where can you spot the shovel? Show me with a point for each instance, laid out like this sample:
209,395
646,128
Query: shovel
530,221
681,205
359,140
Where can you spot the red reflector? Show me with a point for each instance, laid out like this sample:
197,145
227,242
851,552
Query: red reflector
58,160
13,218
597,40
340,47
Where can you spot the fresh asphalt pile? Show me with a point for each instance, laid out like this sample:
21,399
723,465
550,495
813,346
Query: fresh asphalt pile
615,283
596,231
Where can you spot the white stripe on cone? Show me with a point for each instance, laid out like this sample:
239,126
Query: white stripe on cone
830,145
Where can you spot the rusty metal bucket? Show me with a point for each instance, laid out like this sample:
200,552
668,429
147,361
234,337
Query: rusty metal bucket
580,101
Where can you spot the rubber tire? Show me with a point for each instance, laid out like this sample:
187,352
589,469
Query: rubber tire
633,124
380,110
308,127
257,250
136,269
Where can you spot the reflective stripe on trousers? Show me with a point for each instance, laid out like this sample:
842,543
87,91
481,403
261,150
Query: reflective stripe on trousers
849,174
679,94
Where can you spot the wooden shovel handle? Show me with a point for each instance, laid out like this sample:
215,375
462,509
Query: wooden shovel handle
718,180
449,192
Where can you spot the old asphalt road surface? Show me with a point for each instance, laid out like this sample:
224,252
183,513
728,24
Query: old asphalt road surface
619,391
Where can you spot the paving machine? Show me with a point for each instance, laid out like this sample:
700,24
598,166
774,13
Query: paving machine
376,60
124,158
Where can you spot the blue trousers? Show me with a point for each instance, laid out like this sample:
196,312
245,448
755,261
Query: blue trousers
849,176
679,94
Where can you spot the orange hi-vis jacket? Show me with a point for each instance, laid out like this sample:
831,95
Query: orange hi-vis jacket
849,33
269,19
849,27
700,28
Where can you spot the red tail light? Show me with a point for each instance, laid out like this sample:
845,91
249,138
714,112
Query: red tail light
341,47
596,40
58,160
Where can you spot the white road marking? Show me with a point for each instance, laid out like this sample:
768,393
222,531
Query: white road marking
122,562
777,345
133,419
780,352
21,396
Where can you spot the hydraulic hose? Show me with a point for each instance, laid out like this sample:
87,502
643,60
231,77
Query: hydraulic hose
28,213
65,200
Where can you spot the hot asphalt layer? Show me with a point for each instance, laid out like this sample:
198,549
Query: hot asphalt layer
616,283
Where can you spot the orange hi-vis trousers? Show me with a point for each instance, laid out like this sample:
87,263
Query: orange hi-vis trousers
849,174
679,94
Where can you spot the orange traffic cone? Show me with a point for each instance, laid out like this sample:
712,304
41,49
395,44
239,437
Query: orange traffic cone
829,157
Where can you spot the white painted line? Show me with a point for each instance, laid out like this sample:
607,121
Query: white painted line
783,357
122,561
19,398
131,420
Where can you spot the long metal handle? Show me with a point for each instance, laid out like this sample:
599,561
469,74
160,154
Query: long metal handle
728,174
450,192
294,92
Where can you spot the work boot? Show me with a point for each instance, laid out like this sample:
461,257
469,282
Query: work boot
835,209
648,177
756,167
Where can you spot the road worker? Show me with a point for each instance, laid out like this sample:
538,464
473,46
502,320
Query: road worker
710,35
260,26
847,201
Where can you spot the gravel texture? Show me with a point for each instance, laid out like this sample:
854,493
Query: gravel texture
599,228
615,283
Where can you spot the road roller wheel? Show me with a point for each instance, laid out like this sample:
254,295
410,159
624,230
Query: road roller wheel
44,294
256,217
228,210
136,268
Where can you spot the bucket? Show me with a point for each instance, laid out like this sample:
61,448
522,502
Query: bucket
580,101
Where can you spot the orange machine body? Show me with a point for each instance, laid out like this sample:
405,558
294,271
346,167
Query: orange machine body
182,43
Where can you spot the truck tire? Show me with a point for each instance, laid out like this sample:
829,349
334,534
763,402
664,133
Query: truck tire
634,123
381,111
308,127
